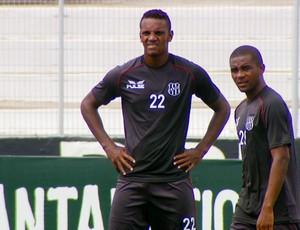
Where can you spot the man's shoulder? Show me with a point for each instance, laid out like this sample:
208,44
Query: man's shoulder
135,62
268,91
241,105
270,96
185,63
175,59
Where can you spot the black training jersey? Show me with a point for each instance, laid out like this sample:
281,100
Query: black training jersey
156,106
262,124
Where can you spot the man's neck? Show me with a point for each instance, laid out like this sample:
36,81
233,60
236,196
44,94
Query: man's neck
156,61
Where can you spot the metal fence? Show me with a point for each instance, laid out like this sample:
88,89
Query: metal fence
52,54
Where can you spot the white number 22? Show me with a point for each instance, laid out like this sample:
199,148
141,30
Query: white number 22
157,101
189,223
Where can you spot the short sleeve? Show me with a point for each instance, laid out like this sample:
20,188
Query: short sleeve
108,88
204,86
278,122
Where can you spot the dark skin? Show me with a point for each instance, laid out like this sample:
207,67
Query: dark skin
247,74
117,154
155,36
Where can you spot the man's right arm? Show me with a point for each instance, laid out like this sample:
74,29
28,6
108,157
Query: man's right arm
89,110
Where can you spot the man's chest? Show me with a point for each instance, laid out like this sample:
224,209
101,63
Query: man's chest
154,89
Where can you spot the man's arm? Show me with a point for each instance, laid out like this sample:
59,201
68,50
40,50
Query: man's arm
220,117
278,171
89,110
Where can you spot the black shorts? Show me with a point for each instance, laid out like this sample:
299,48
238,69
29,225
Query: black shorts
241,226
139,205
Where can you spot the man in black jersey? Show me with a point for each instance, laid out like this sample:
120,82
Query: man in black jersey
269,198
154,187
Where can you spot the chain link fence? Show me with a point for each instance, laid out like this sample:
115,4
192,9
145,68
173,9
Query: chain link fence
40,91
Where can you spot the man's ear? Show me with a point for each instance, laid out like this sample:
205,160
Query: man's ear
262,67
171,34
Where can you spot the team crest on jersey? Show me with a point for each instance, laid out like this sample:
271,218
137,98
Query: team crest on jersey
135,85
249,122
174,88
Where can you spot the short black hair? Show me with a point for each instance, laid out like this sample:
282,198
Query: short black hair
246,50
157,14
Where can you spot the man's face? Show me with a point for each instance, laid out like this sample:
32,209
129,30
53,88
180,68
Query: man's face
155,36
247,74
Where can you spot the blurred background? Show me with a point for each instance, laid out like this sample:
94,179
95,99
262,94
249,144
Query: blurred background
53,52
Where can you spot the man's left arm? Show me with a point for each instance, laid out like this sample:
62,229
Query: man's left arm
280,162
220,117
